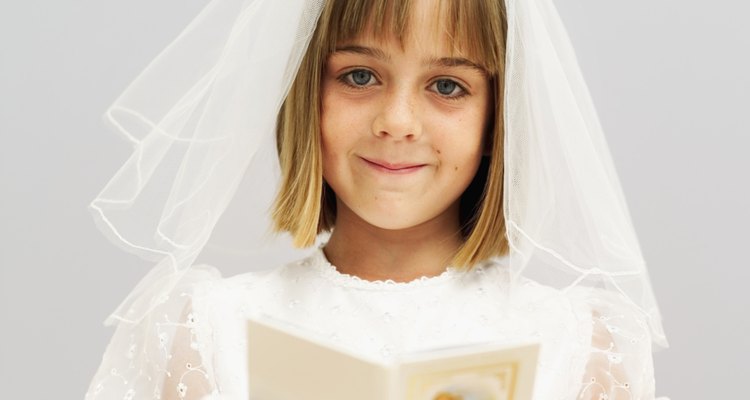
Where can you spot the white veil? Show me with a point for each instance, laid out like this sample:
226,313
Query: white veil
203,174
199,115
568,222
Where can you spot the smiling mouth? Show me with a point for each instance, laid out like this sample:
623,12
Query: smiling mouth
393,168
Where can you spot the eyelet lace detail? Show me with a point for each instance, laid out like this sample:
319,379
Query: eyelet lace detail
320,264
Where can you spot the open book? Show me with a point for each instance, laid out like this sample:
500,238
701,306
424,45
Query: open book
285,364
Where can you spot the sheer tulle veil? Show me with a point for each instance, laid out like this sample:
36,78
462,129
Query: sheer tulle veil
203,174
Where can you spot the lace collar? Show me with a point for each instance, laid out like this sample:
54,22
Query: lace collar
318,262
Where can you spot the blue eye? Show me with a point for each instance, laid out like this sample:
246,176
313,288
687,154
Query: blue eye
359,77
449,88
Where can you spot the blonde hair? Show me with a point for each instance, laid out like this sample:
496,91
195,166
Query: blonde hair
305,205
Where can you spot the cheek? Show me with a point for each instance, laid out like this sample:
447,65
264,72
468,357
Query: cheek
330,127
460,146
460,139
336,118
337,140
333,141
330,154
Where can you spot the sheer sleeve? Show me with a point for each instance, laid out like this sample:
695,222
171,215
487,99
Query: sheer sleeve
620,364
187,375
165,355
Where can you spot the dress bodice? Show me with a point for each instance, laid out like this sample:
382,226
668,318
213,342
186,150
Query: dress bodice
591,341
380,319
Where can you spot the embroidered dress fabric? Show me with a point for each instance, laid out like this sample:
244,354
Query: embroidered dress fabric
204,172
590,343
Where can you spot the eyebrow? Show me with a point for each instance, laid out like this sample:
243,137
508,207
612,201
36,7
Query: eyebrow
365,51
433,62
455,62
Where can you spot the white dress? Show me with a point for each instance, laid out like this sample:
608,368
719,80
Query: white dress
591,342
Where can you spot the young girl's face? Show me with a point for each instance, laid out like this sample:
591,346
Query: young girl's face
403,126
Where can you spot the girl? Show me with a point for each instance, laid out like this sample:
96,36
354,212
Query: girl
444,156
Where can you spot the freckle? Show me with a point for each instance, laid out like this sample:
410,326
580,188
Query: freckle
455,168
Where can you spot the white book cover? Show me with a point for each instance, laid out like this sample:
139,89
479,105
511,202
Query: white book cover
286,364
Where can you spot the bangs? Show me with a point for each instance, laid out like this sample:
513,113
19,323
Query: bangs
474,29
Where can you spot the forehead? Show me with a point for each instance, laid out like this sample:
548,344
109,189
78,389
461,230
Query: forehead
449,27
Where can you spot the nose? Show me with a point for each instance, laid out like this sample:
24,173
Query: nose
398,117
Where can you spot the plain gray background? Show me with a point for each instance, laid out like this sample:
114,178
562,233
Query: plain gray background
670,80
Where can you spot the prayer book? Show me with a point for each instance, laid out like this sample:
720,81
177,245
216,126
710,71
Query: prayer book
287,364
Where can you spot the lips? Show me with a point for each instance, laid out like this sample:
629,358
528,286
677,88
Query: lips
393,167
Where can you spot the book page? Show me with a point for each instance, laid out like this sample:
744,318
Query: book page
473,373
286,364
